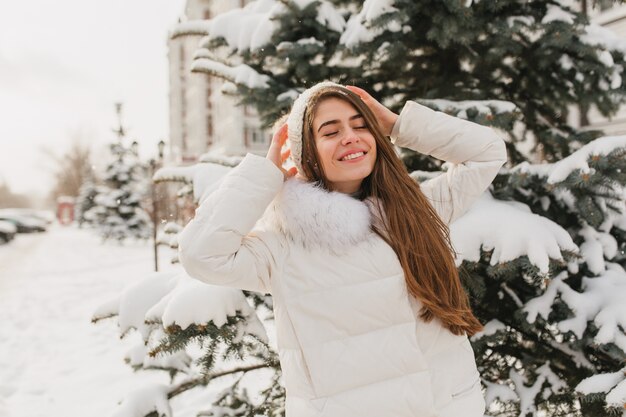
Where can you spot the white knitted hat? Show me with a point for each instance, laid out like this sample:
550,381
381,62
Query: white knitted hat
296,119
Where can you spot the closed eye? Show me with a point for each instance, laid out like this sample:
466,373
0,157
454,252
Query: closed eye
334,133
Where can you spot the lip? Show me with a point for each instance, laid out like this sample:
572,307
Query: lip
355,160
351,152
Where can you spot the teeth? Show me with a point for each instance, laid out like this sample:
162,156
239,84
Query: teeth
352,156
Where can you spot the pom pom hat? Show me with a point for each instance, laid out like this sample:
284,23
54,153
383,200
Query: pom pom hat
295,122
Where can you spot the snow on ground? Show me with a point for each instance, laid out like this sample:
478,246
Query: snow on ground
53,360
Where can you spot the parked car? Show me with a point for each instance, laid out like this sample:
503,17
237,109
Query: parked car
23,223
7,231
46,216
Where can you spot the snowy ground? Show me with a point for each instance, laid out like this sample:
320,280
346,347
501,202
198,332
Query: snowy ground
53,360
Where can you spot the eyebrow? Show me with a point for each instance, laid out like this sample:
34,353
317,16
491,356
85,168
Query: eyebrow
356,116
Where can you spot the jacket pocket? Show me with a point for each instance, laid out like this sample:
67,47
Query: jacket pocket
466,401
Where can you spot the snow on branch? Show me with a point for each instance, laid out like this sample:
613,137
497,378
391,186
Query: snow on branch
174,174
528,394
195,302
360,28
172,228
106,310
614,384
145,401
460,108
542,305
556,13
498,392
178,300
138,298
173,298
249,28
207,51
579,159
597,247
489,329
327,15
190,28
252,27
241,74
617,396
605,40
171,308
602,301
596,35
244,29
587,183
511,230
139,358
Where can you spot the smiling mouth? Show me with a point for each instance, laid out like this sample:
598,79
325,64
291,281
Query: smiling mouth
352,156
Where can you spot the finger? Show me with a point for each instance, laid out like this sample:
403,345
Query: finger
285,155
280,135
292,171
283,134
358,91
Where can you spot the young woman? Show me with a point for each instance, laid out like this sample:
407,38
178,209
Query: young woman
371,318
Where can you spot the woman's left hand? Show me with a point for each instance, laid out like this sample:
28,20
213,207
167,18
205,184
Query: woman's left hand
386,118
275,155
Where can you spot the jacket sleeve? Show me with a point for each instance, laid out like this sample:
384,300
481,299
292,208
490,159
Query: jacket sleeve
476,154
219,245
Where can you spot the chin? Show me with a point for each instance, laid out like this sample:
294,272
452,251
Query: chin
360,175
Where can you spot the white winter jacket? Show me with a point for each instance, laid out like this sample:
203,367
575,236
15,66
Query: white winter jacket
350,340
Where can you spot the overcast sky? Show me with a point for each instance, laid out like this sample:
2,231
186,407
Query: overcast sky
63,65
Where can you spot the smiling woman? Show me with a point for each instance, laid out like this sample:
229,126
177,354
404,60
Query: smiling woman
345,145
371,317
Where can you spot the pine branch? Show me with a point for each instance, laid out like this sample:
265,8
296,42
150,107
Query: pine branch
204,380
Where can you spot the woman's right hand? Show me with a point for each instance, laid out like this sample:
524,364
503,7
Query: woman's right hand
275,155
386,118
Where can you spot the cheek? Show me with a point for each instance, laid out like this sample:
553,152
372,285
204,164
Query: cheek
372,144
326,152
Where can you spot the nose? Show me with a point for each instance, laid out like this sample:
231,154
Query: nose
350,137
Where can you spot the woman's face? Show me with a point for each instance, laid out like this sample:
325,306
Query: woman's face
346,147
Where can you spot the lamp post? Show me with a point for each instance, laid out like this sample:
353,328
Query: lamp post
154,165
155,214
161,147
134,148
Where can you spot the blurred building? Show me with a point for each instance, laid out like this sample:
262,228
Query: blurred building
612,16
202,118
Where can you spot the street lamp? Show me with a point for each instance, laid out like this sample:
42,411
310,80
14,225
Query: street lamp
134,148
155,214
154,165
161,147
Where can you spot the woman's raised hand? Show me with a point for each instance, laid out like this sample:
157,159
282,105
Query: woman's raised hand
275,155
386,118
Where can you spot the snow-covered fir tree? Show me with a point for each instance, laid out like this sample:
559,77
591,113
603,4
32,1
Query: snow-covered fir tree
542,254
541,56
85,201
117,211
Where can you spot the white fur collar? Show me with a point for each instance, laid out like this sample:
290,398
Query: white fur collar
314,217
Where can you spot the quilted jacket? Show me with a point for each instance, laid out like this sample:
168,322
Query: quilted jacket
350,340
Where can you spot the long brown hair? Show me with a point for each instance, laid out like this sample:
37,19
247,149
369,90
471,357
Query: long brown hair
419,237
